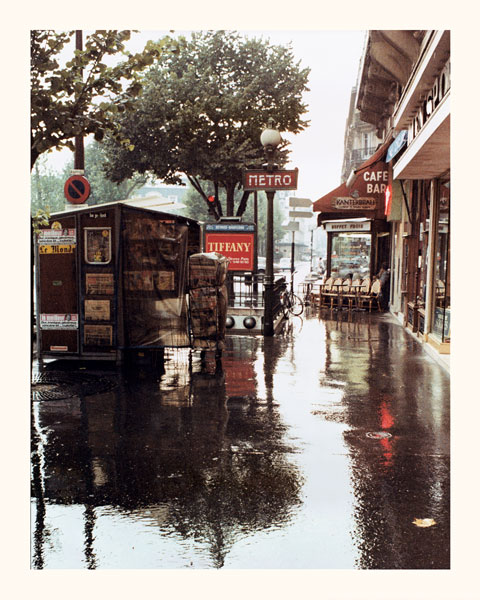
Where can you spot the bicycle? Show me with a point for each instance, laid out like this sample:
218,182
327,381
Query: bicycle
292,304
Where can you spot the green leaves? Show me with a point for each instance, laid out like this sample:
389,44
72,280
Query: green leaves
86,90
201,110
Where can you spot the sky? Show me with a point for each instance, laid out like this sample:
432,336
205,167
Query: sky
334,59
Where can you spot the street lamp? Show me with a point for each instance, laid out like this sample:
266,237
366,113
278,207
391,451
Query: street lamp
269,139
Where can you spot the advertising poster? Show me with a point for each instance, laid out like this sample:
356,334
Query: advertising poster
100,284
235,241
97,310
50,322
98,335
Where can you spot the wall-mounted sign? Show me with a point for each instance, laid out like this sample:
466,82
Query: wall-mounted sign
348,203
348,226
270,181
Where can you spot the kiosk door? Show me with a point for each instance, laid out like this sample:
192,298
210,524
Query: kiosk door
58,304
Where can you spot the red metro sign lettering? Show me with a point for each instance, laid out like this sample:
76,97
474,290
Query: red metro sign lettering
270,181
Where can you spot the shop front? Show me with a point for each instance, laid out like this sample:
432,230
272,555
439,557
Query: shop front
353,215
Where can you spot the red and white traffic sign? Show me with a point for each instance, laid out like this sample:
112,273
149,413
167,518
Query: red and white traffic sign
76,189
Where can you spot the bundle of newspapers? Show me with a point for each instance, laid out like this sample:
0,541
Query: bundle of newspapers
208,299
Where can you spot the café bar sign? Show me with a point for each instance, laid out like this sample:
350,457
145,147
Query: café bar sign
270,181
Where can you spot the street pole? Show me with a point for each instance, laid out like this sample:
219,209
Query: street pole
292,261
79,160
255,256
268,328
311,250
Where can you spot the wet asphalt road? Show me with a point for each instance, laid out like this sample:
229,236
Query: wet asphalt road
325,447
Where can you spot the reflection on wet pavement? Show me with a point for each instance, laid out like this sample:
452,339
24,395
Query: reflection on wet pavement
317,448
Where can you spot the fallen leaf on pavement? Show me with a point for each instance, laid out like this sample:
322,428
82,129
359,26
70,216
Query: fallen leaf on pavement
424,522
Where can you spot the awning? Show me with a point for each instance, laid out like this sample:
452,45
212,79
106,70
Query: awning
364,196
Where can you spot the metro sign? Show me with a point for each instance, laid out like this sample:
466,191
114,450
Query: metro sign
270,181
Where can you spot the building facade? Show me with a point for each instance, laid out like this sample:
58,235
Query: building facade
404,92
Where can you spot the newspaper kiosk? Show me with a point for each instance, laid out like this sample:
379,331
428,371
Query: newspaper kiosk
112,278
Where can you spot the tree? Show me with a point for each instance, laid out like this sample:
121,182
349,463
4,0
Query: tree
47,186
201,113
82,97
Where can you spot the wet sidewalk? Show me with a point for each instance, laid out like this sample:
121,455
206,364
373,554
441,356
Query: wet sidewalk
325,447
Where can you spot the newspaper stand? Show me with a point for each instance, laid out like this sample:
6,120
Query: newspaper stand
112,279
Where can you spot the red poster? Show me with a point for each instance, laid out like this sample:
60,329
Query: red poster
238,247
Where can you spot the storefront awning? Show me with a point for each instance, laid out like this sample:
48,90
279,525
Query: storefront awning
362,196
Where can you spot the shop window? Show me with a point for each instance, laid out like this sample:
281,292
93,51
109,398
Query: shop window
441,308
98,245
350,254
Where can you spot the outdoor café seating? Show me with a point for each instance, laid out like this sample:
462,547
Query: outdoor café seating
356,294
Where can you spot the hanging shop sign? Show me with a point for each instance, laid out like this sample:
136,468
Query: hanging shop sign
235,241
347,226
399,142
270,181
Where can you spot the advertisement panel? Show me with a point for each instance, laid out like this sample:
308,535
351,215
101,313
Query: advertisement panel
236,241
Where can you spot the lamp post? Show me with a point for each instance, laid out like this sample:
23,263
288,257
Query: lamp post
269,139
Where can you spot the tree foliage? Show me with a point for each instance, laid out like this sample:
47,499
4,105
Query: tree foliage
84,95
202,110
47,186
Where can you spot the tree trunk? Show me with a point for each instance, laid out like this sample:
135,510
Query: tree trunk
230,188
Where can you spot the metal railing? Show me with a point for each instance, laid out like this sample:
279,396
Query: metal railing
248,291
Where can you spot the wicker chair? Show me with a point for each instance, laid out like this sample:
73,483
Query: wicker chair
333,295
372,296
351,295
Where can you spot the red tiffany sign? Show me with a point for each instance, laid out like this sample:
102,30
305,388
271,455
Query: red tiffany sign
238,247
270,181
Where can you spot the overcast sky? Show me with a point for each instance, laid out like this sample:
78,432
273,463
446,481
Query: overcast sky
334,58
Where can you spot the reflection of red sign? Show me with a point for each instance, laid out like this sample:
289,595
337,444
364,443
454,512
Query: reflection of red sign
238,247
76,189
240,379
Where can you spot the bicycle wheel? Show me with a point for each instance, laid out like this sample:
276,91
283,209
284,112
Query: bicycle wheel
296,305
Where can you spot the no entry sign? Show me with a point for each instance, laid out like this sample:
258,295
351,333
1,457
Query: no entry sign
76,189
